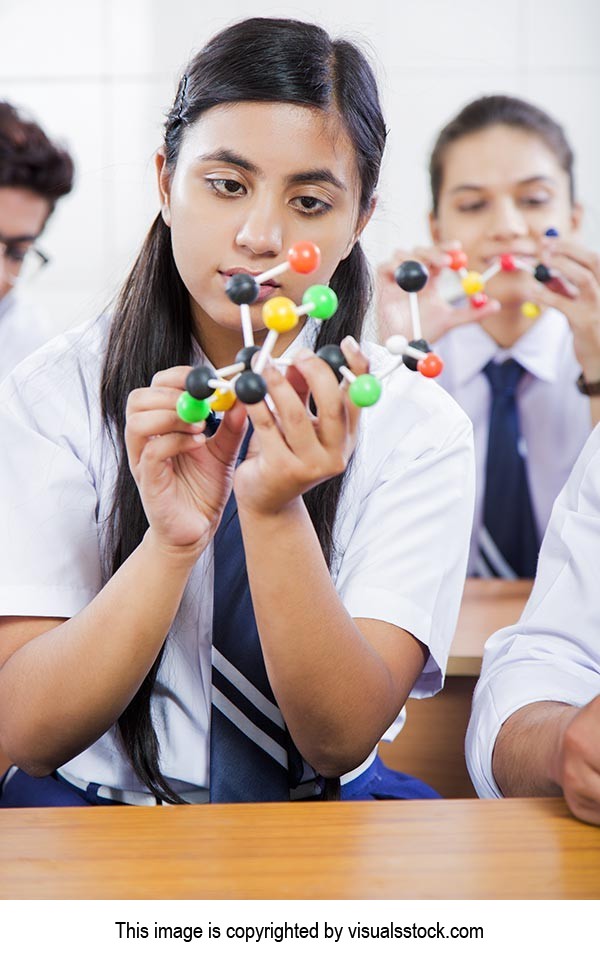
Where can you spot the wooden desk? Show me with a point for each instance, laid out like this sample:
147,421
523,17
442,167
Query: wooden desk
517,848
487,605
431,745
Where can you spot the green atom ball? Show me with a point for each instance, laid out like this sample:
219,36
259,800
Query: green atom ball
191,410
365,391
324,300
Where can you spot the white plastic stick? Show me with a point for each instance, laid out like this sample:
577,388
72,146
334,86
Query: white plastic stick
415,316
247,331
492,270
216,382
347,373
273,272
524,265
265,352
232,369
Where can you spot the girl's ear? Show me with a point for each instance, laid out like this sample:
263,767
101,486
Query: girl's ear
164,185
434,228
576,217
363,220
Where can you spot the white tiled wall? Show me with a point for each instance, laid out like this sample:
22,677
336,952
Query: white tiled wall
99,74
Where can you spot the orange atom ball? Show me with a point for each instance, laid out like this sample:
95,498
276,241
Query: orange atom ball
430,366
304,257
458,260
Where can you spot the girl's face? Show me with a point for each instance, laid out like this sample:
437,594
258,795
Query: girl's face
251,179
502,188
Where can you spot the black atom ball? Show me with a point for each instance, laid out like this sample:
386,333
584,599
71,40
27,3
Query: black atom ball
411,276
542,274
250,388
245,355
332,355
242,289
421,345
197,380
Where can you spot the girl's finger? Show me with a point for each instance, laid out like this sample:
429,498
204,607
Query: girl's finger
467,314
152,399
579,277
142,428
294,420
173,377
159,451
581,255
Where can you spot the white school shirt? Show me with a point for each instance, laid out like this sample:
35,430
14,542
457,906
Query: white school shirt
553,653
402,527
23,329
555,418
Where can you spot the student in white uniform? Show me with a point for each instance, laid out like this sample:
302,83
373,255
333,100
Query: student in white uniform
535,726
501,176
34,174
122,569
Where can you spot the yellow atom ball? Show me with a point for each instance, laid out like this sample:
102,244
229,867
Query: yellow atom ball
223,399
528,309
279,314
472,283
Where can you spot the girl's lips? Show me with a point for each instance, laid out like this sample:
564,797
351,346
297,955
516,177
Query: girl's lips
266,290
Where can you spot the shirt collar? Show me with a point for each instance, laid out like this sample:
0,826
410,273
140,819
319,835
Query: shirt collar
540,350
305,337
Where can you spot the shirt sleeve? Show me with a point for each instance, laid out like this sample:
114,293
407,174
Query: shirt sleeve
405,562
553,653
49,551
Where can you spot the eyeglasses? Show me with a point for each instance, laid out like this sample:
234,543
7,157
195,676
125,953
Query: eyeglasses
22,260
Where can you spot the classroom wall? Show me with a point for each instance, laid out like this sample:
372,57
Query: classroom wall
100,74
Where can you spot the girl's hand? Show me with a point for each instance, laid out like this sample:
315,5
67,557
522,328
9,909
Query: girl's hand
438,316
292,451
184,478
578,299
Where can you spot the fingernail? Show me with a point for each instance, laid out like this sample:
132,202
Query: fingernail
350,343
303,354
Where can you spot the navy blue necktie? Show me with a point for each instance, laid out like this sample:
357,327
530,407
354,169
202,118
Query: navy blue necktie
509,541
252,757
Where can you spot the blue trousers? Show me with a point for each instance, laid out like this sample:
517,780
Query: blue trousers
23,791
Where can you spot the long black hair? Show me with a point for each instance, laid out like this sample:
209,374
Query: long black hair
268,60
488,112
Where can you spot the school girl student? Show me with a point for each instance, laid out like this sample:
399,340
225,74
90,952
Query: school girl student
501,176
162,641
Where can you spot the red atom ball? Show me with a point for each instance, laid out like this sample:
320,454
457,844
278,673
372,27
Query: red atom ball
304,257
430,366
507,262
479,300
458,260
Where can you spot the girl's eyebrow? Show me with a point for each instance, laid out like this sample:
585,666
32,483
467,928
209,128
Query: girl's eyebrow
226,156
519,183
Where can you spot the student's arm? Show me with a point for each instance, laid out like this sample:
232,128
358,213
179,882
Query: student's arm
535,724
340,682
64,683
548,748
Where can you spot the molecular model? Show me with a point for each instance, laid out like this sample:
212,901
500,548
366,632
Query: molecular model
217,390
473,283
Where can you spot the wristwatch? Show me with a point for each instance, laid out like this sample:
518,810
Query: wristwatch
592,390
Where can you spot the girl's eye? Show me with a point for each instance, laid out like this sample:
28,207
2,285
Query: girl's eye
534,201
474,206
225,187
310,205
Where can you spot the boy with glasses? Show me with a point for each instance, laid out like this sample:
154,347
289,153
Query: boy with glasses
34,174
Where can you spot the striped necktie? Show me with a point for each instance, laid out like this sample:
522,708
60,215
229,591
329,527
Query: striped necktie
508,541
252,757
